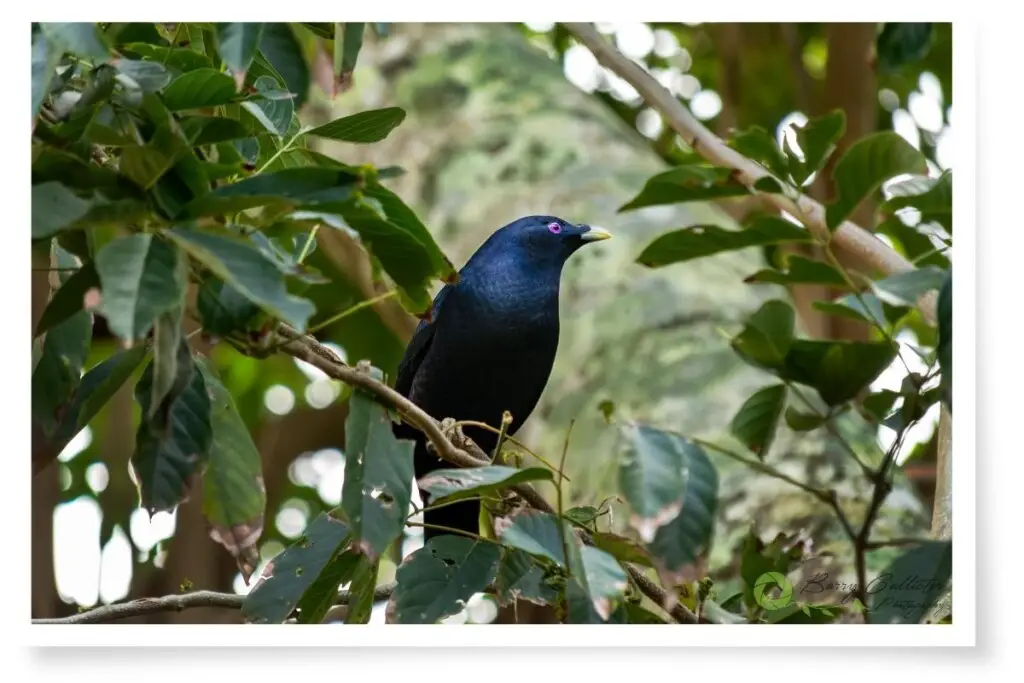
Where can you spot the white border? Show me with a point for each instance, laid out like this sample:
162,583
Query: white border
962,632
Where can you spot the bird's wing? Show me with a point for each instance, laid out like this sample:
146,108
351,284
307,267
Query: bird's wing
418,347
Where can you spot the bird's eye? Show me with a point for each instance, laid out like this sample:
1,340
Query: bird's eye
554,227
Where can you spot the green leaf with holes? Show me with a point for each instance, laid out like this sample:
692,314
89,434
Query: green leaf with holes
142,276
437,580
293,575
757,420
234,497
699,241
867,164
366,126
243,267
378,476
457,483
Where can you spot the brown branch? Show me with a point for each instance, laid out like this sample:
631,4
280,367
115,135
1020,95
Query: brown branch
177,603
848,236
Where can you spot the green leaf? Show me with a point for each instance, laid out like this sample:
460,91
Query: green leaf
224,310
146,164
246,269
602,581
534,532
699,241
622,548
767,335
150,76
436,581
687,536
58,373
291,576
521,577
45,57
102,381
142,277
867,164
55,208
802,422
908,589
687,183
935,202
366,126
755,143
817,139
457,483
272,111
167,340
364,581
944,349
177,58
651,477
323,593
81,38
173,447
346,51
866,308
234,497
327,188
70,298
906,288
236,45
902,43
584,515
758,418
880,403
378,476
198,89
209,130
284,54
839,370
800,271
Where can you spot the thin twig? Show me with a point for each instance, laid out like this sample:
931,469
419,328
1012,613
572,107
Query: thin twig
850,236
561,509
176,603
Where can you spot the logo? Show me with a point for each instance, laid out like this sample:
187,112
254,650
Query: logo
763,591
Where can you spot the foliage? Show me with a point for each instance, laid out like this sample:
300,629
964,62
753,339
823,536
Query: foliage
174,185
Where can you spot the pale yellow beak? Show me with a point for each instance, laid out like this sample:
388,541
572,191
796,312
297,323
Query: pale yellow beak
595,234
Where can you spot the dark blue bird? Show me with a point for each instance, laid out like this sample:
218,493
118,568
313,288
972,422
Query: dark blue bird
490,343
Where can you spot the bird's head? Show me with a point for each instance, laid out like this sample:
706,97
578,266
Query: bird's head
539,240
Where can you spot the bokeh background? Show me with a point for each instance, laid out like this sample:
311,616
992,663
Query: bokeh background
506,120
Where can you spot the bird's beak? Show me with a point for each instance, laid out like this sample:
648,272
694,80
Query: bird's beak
595,234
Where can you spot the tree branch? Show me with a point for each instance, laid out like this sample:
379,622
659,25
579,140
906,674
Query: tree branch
849,236
177,603
461,451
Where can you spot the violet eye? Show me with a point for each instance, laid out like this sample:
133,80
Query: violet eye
555,228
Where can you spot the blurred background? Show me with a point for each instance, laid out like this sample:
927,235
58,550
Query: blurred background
506,120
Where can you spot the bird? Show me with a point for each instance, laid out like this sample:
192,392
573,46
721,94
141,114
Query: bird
488,345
